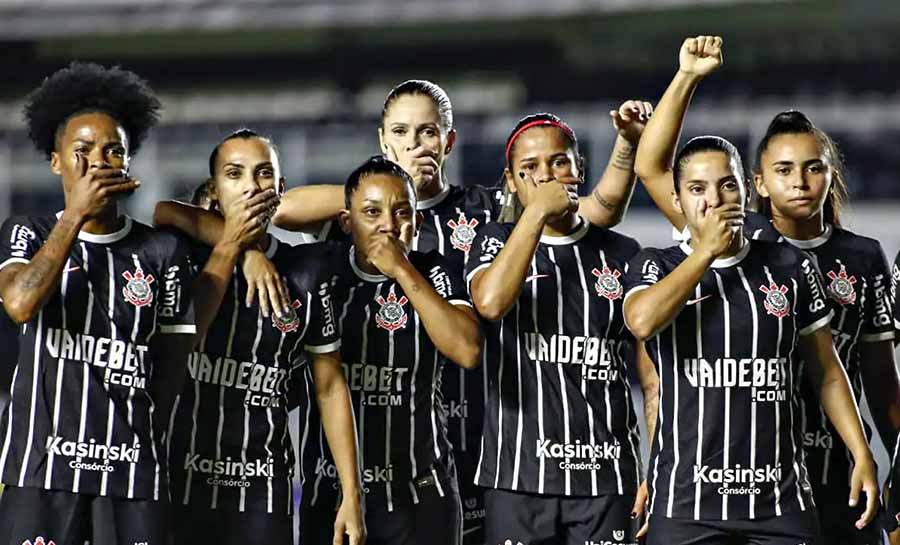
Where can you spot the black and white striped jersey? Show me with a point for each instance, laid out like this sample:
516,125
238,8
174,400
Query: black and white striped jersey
559,417
729,443
81,417
451,220
230,449
857,287
394,373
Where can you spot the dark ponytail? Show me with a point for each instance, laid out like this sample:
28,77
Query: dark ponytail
794,122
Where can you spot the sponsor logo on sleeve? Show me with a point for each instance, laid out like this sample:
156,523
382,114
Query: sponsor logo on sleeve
171,303
490,247
18,240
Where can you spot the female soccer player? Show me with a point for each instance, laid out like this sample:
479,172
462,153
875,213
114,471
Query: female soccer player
559,451
232,456
104,311
798,175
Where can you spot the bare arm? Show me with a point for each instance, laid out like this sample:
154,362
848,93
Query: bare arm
649,380
882,387
608,202
653,162
829,379
306,208
333,398
195,222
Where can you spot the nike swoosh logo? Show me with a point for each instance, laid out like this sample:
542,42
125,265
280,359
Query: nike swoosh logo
697,300
535,277
470,530
73,268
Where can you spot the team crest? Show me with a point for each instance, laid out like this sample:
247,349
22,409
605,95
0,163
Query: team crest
776,302
463,232
137,291
841,288
607,284
289,322
38,541
391,315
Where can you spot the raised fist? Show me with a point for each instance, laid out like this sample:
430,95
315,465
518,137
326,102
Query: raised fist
700,56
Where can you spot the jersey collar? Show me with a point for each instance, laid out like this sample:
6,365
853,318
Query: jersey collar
363,275
108,238
434,201
273,247
813,242
571,238
721,263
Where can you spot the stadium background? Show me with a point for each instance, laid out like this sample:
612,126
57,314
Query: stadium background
313,74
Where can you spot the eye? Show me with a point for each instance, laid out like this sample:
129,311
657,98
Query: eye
266,173
117,151
370,211
528,167
233,173
561,162
404,212
399,131
782,171
730,186
696,190
429,132
815,169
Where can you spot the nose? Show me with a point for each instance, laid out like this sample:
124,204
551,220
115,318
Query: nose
543,174
389,224
96,158
714,197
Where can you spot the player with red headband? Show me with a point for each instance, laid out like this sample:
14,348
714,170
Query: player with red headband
559,451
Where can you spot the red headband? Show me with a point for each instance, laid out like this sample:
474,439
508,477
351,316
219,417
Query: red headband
540,122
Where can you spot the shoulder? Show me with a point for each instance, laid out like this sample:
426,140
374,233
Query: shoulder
164,243
859,245
623,246
30,226
481,197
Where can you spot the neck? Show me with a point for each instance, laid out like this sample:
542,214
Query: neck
108,221
805,229
363,263
561,227
432,188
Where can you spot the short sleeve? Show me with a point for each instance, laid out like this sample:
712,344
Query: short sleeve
322,334
812,310
331,232
176,306
446,279
644,270
895,279
879,320
20,241
487,245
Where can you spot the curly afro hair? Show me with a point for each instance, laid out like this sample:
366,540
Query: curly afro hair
89,87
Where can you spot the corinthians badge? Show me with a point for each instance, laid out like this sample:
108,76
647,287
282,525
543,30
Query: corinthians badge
463,232
391,315
841,287
289,322
137,291
607,284
776,302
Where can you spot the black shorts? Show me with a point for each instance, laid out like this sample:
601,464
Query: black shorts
199,524
536,519
472,497
435,520
837,520
791,529
27,514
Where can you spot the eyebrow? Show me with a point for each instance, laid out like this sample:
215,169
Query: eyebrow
807,162
238,165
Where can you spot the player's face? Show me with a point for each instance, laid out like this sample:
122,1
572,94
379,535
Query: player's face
381,204
94,136
796,175
711,176
412,121
545,154
244,167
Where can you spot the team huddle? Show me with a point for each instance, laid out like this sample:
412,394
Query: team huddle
462,358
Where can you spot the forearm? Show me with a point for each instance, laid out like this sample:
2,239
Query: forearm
496,288
30,286
195,222
303,207
882,387
333,398
453,332
840,407
608,202
212,283
649,380
649,310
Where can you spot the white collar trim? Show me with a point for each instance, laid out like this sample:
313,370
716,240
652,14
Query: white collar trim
571,238
434,201
721,263
363,275
108,238
273,247
813,242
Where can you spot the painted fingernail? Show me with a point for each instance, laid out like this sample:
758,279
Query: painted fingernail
522,175
633,515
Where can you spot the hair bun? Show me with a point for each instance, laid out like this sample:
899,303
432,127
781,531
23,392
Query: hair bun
790,121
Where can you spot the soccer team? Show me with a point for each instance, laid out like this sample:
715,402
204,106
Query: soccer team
460,357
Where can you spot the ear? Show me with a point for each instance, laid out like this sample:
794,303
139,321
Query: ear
381,144
280,187
451,141
344,221
55,165
211,190
580,165
676,203
510,180
760,186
